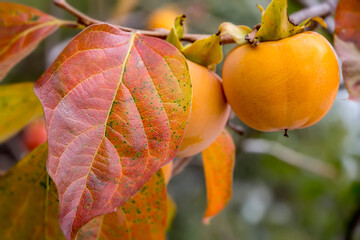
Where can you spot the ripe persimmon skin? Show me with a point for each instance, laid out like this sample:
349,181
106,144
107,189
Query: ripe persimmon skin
286,84
209,111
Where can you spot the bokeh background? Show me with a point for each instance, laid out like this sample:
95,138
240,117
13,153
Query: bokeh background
305,187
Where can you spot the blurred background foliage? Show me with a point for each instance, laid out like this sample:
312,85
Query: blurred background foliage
271,198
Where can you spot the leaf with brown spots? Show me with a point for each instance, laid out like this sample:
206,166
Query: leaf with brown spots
347,44
116,106
219,160
21,30
14,99
143,217
28,200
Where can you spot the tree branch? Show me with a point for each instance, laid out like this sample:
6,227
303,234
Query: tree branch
321,10
236,128
290,156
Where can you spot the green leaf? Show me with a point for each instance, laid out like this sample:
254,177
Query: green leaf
275,24
18,106
29,203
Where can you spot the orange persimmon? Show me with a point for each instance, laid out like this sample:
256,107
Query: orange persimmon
209,111
282,85
34,134
163,17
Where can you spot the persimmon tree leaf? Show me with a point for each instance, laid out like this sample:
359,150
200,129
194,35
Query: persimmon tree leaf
21,30
18,106
142,217
219,160
347,44
28,200
116,106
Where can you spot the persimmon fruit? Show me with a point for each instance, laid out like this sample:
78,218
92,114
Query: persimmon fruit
163,17
282,85
34,134
209,111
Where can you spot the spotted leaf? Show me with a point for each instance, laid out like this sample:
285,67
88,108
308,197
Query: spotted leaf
116,106
143,217
28,200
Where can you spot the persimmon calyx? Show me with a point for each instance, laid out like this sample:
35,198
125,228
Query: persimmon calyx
275,23
237,33
177,32
206,52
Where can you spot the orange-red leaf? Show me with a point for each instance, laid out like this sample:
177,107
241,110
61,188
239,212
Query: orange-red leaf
116,105
21,30
143,217
347,44
219,160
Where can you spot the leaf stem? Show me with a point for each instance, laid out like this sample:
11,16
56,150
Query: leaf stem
291,157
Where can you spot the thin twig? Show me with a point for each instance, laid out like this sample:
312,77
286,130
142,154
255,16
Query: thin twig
82,18
180,164
323,9
236,128
290,156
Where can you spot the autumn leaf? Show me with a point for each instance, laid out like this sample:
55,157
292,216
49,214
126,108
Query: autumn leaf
28,200
21,30
116,105
219,160
347,44
171,211
18,106
143,217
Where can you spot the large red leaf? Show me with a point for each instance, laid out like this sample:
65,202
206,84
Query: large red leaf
219,160
143,217
347,44
21,30
116,106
